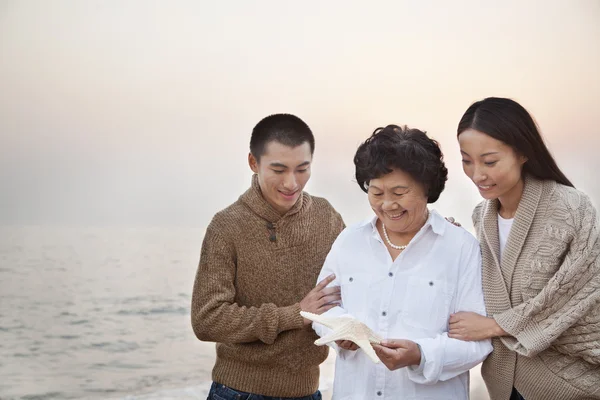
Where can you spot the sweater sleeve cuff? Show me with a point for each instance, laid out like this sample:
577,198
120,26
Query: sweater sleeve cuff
529,338
290,318
511,322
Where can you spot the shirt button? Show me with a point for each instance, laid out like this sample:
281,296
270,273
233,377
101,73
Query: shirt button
351,279
379,393
384,313
391,274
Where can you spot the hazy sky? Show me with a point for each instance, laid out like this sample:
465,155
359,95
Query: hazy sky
139,112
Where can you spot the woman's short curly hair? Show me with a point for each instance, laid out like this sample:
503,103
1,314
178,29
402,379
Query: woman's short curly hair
408,150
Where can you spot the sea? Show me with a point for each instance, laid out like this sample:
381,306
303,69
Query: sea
103,313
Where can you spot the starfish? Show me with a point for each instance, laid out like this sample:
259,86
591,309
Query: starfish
346,328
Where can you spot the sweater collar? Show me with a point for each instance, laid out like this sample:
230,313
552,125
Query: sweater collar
254,199
526,210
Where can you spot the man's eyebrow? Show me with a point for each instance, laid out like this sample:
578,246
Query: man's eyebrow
281,165
278,164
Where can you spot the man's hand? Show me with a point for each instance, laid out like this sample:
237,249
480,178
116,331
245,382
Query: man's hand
470,326
398,353
321,298
347,345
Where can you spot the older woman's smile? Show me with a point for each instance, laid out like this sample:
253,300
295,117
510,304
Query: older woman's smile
395,216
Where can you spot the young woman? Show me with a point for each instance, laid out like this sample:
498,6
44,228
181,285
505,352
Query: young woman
540,244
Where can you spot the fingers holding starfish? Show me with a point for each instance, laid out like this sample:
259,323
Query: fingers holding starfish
398,353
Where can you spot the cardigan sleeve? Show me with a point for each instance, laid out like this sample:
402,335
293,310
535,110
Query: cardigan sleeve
476,217
571,296
216,317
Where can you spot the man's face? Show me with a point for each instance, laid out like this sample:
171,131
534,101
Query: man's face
283,172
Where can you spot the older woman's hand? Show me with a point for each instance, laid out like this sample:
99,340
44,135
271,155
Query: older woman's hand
398,353
471,327
347,345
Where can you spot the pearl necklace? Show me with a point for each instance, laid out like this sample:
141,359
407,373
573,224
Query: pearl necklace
387,239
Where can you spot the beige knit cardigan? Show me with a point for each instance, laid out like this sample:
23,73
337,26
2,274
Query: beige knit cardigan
545,293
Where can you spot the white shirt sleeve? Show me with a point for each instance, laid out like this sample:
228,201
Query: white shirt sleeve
331,267
446,358
419,368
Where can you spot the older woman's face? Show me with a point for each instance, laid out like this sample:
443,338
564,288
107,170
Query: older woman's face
399,201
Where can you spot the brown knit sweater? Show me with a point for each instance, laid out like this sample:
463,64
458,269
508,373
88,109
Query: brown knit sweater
248,288
545,293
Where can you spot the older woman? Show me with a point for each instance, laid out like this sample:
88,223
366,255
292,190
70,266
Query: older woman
402,273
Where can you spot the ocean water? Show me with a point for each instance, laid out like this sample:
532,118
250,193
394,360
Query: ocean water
98,313
103,313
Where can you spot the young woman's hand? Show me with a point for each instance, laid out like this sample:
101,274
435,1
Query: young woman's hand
471,327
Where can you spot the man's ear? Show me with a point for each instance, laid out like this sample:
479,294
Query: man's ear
253,163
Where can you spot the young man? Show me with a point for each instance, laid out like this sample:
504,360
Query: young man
260,259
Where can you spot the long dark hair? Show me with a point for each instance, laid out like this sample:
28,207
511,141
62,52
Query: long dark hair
507,121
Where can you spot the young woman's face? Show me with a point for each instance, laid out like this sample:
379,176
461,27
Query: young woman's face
493,166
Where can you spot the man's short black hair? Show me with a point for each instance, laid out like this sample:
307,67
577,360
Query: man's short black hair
404,149
286,129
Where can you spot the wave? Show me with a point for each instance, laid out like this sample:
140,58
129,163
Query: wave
156,310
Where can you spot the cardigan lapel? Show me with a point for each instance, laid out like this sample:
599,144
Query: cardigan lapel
492,275
490,229
528,205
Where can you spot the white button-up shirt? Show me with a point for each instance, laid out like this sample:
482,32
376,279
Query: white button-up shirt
411,298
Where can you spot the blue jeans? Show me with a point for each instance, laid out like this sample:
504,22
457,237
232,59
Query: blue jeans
516,395
222,392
